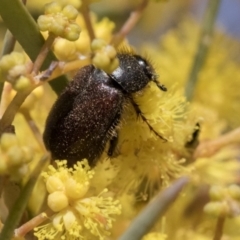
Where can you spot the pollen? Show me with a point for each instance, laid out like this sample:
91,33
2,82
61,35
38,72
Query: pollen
76,209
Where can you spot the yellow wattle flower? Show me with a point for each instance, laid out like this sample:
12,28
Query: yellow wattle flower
76,210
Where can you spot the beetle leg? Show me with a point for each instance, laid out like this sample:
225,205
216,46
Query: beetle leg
139,113
193,143
113,144
113,135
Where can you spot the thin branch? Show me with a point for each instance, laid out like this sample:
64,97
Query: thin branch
61,68
208,148
30,225
75,65
43,53
203,46
129,24
12,109
219,228
86,15
35,130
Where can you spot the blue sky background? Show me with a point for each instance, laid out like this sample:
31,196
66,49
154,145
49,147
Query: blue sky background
228,15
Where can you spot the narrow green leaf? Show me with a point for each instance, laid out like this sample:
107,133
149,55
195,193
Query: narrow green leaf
16,212
203,46
154,210
8,46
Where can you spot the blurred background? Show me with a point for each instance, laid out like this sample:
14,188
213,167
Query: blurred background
159,16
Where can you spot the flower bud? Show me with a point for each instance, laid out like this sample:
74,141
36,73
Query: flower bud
58,25
22,84
52,7
44,22
234,191
75,190
217,193
72,32
17,70
28,154
10,60
70,12
101,60
8,140
110,51
57,201
15,156
98,44
217,209
54,184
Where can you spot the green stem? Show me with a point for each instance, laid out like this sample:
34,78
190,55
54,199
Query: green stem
203,46
8,46
21,24
21,203
8,43
154,210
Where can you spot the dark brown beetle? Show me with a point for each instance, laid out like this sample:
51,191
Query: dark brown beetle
86,114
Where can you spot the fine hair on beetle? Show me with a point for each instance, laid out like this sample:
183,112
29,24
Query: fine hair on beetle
86,114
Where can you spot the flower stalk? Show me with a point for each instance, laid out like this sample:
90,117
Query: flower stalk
13,107
129,24
43,53
219,228
34,128
86,15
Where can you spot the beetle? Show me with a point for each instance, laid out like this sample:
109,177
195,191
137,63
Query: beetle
85,116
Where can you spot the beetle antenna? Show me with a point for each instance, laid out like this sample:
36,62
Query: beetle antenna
161,86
